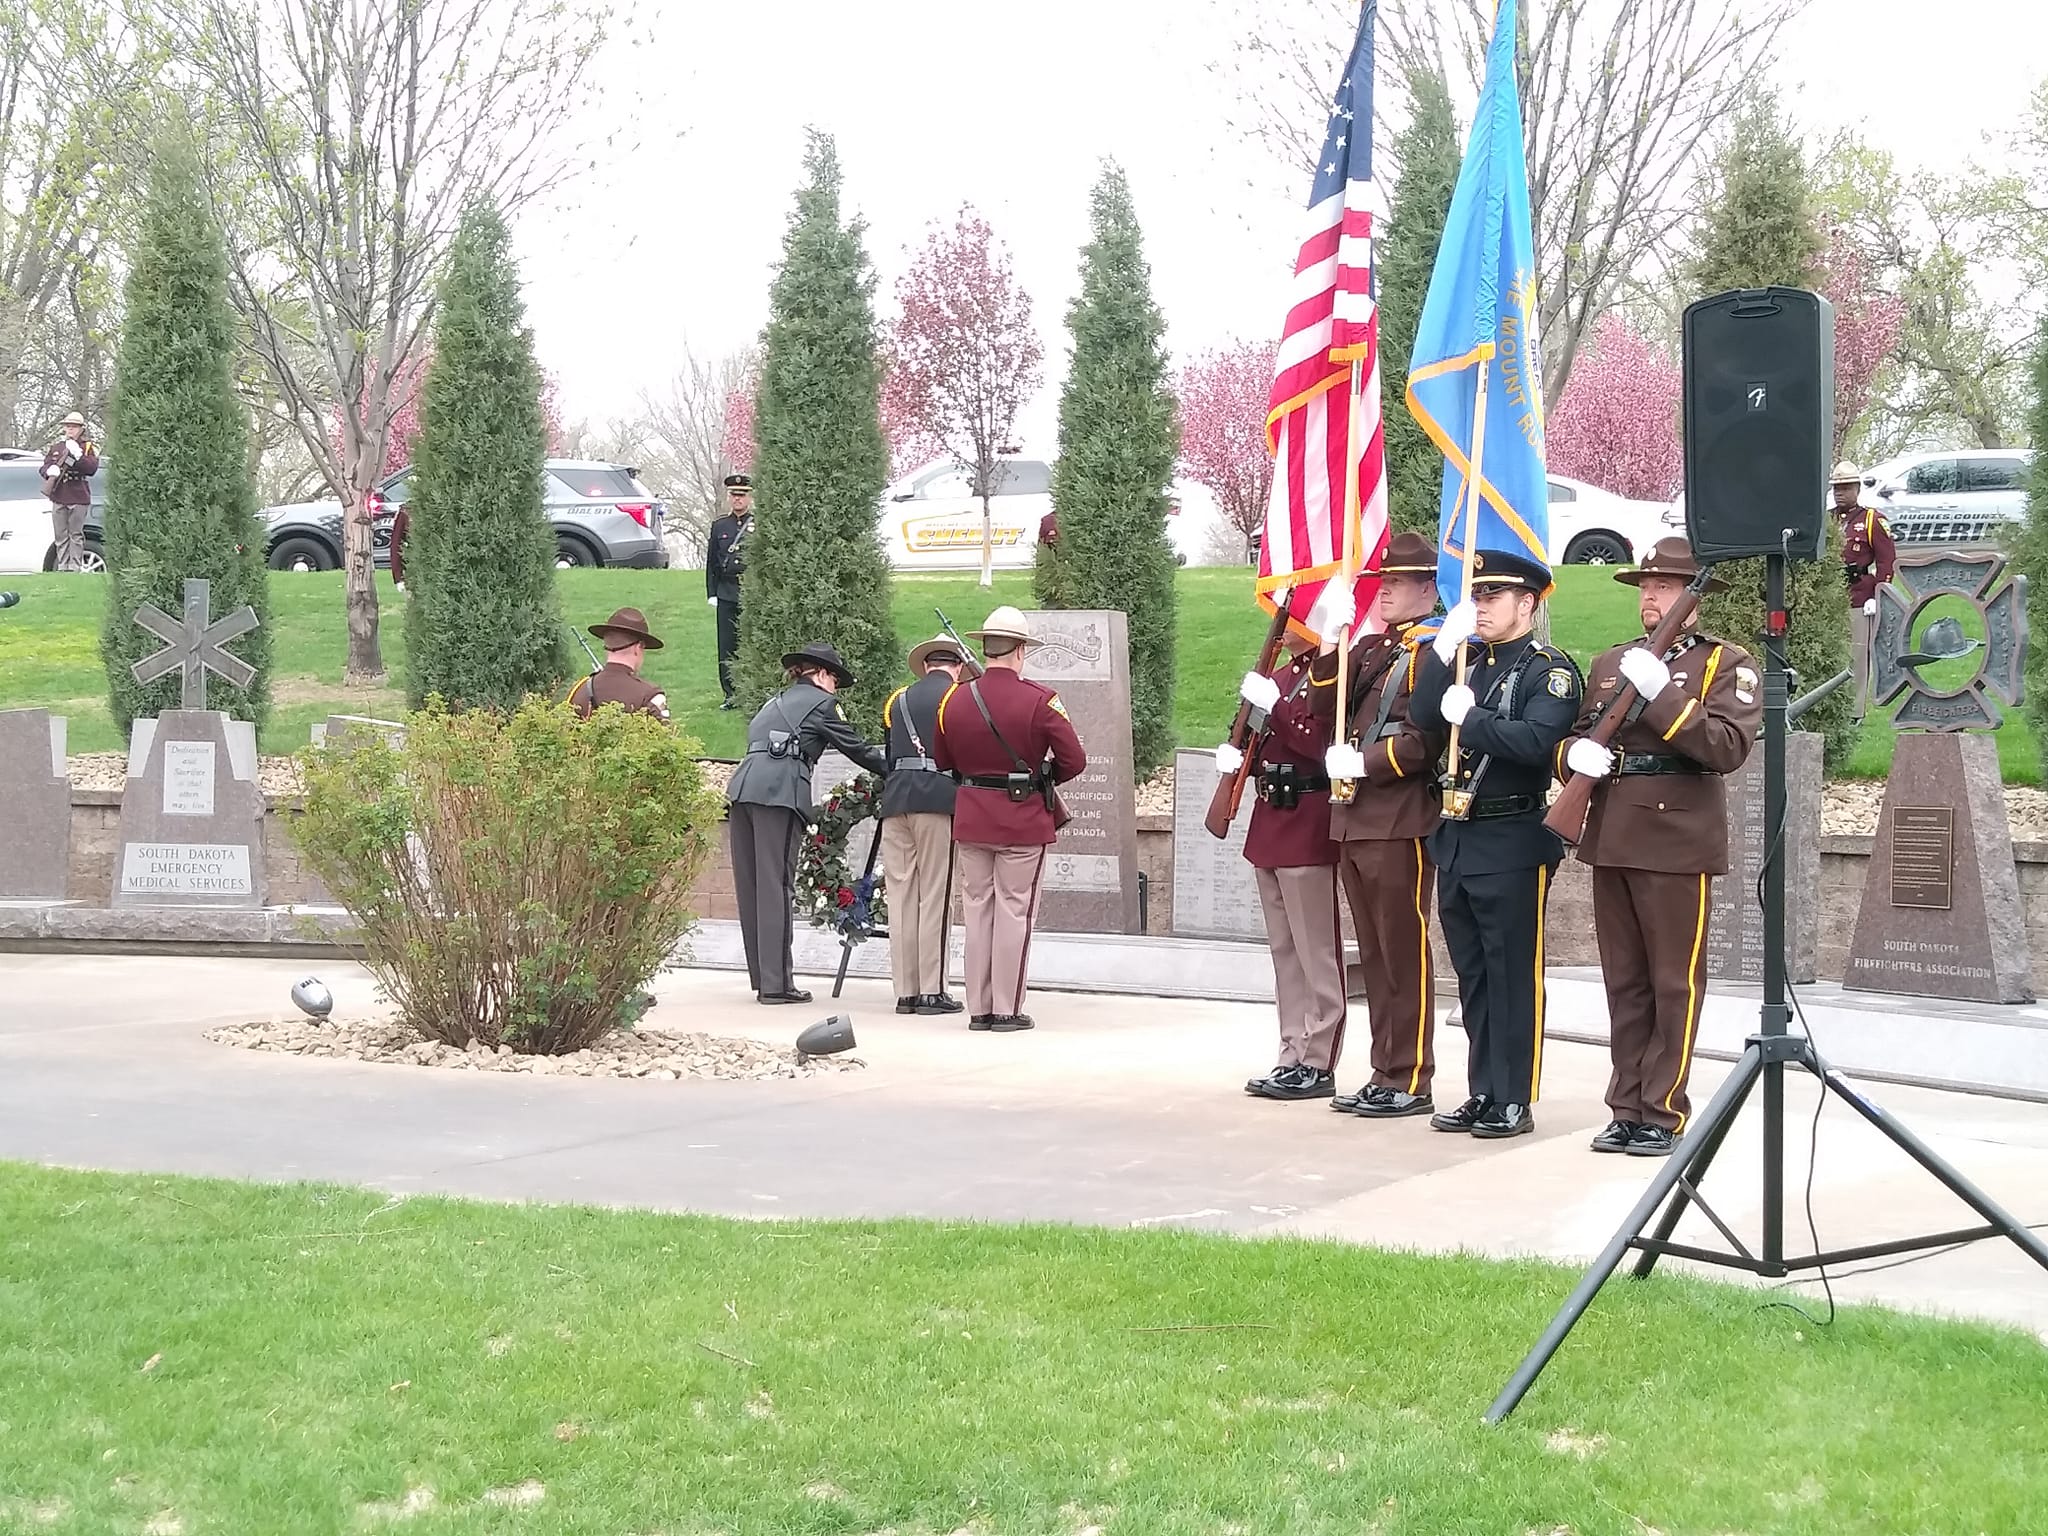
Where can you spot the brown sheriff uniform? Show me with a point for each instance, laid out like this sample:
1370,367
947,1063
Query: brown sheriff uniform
1294,863
1002,842
1869,556
614,684
1388,877
1656,835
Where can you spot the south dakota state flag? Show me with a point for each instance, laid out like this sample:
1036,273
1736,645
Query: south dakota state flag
1479,321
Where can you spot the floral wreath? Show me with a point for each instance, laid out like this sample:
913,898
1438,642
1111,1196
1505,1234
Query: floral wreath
828,891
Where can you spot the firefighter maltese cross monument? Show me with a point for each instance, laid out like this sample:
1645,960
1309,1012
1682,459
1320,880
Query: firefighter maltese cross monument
192,812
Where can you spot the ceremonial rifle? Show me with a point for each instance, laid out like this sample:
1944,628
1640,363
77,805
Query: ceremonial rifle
1229,793
1567,817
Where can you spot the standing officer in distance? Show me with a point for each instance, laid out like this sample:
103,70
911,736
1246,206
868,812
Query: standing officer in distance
770,803
68,464
1382,851
917,830
1009,742
1493,853
1295,865
1656,835
1869,557
724,559
626,640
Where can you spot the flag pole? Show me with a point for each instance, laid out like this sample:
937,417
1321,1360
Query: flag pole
1458,802
1342,790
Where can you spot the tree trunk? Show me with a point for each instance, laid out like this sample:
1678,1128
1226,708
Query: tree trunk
365,668
988,545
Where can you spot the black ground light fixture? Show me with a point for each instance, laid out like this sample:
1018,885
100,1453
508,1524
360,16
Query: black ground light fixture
827,1037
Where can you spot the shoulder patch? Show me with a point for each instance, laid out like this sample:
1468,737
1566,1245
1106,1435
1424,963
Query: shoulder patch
1559,682
1053,700
839,710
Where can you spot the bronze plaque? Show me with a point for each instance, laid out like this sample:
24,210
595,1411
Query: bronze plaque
1923,856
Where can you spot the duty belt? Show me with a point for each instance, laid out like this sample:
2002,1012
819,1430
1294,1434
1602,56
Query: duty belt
993,781
1494,806
1283,784
1651,762
914,765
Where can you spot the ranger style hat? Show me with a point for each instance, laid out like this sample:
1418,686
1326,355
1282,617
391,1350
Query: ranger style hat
1510,568
819,654
1006,624
739,482
1670,557
1407,554
938,648
73,420
1846,473
626,627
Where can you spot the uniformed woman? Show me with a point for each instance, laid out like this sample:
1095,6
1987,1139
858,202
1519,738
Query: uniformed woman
770,797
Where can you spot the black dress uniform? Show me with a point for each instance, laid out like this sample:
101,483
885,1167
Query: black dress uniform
1495,865
725,559
770,795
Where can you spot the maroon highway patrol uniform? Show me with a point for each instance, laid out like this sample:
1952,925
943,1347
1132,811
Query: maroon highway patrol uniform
1295,864
1002,841
1869,556
1656,835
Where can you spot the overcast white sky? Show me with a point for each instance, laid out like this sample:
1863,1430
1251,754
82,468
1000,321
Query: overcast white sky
1012,107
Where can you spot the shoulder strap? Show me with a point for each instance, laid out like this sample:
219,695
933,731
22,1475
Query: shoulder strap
974,693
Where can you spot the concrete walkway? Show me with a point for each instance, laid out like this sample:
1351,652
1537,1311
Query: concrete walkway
1118,1111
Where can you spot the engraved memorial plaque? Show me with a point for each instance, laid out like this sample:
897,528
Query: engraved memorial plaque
1923,856
1091,876
1215,894
188,778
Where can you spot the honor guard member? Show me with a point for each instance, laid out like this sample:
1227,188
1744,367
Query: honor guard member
1656,835
725,557
1382,828
68,464
1009,742
626,640
1295,865
917,831
1869,556
1494,856
770,795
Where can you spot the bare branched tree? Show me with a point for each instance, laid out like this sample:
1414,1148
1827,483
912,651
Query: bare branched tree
1621,101
351,134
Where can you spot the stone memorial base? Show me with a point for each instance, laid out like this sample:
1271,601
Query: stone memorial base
191,814
1941,913
1735,922
1091,872
35,805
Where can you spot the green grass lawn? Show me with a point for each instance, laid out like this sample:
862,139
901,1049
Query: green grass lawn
207,1357
49,649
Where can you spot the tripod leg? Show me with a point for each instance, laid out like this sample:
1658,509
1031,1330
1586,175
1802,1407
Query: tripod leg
2029,1241
1710,1133
1725,1104
845,938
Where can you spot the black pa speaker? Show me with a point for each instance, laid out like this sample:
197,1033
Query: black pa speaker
1759,368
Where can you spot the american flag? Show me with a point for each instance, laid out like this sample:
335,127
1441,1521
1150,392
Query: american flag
1331,322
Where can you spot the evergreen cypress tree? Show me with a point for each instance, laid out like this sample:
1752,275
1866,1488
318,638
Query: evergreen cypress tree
814,563
1760,227
483,626
180,502
1119,437
1428,153
2031,553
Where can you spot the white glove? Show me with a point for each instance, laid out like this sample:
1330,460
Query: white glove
1647,673
1228,760
1460,625
49,470
72,450
1344,762
1870,606
1589,759
1259,690
1336,610
1458,702
712,601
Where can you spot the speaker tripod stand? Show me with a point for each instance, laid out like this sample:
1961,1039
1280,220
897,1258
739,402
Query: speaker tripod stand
1769,1052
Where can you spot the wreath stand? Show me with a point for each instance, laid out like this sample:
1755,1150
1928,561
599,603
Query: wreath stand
846,938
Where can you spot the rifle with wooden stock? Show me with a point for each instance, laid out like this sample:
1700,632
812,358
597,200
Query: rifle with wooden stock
1567,816
1229,792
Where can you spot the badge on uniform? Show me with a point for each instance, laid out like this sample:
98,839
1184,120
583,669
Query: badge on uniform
1057,707
1745,684
1559,683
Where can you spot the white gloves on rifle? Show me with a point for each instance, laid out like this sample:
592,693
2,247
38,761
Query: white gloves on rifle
1460,625
49,471
1344,761
1589,759
1228,760
1646,673
72,450
1458,702
1259,690
1335,611
712,601
1870,605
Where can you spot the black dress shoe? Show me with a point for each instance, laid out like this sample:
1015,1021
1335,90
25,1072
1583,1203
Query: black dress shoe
982,1021
1504,1120
1651,1141
791,996
1009,1023
1299,1083
1257,1085
730,703
1463,1118
933,1003
1378,1103
1615,1137
908,1004
1342,1103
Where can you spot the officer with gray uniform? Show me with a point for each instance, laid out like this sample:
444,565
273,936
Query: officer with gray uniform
917,830
770,803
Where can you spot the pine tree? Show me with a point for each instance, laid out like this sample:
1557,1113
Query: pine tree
1760,228
180,502
483,626
814,563
2031,552
1428,153
1119,437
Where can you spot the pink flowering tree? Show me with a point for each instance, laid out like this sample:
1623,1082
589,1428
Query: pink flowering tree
910,445
1223,398
1867,326
736,441
1617,425
963,352
405,414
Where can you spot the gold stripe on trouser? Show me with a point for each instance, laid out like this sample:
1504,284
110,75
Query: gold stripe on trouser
1424,1003
1692,1004
1536,1052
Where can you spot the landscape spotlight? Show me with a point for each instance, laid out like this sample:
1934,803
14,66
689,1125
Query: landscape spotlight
827,1037
313,998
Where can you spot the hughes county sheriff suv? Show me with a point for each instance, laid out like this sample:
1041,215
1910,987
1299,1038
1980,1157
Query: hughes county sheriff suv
1955,496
